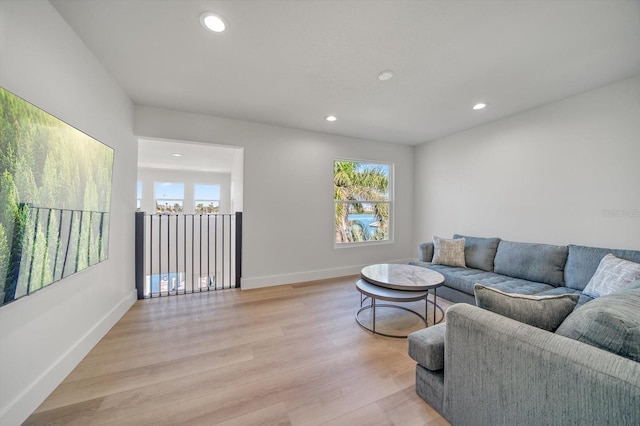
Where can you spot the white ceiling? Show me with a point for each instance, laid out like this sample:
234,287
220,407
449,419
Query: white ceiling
158,154
293,62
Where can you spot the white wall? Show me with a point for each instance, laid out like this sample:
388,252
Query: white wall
288,194
237,178
45,335
564,173
148,176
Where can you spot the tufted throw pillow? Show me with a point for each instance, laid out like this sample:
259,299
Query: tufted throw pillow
612,274
611,323
448,252
545,312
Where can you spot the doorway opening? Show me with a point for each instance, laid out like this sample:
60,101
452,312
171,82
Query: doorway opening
189,217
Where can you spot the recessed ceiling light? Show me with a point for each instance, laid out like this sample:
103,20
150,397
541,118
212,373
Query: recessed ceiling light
385,75
213,22
331,118
479,106
176,154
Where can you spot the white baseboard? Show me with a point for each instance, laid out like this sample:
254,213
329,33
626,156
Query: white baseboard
299,277
21,407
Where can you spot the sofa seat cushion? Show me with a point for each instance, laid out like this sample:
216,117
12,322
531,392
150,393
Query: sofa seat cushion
609,322
545,312
426,347
420,263
479,252
463,279
533,262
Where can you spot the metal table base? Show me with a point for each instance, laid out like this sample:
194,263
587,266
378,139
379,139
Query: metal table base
374,293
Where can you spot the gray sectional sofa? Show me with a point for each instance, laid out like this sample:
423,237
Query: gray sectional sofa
525,268
480,368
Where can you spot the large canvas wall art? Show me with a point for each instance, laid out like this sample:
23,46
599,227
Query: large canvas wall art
55,198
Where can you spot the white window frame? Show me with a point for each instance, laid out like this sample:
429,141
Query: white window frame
390,202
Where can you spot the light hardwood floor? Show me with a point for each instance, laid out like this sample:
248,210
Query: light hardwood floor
286,355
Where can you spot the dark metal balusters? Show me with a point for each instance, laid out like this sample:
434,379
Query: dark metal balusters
204,261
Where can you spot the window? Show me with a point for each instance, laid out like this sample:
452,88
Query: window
139,195
362,198
169,197
207,198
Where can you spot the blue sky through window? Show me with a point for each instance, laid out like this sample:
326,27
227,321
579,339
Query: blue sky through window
207,192
368,166
167,190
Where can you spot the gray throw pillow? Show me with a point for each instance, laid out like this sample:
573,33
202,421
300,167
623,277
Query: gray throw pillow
545,312
448,252
610,322
612,274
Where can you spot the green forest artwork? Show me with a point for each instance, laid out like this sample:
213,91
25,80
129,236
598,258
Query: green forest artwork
55,197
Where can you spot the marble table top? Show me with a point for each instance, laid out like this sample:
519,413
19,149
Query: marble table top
402,277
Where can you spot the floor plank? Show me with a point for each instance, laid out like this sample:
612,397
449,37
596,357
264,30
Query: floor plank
286,355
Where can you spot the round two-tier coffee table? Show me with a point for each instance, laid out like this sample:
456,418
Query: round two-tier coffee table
397,283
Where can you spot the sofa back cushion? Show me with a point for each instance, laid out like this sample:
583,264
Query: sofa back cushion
609,322
479,252
583,262
534,262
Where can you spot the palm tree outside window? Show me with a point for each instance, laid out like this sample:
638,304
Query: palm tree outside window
207,198
362,198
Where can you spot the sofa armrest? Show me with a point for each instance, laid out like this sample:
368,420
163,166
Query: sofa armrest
426,252
502,372
426,347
